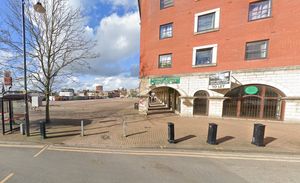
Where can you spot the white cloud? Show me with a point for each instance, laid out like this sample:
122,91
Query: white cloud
117,38
109,83
114,82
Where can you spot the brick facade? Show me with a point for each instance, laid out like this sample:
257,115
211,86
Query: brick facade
281,68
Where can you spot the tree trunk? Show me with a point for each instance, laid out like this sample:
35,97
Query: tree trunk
48,105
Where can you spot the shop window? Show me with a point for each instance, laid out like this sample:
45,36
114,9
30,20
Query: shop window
200,106
254,101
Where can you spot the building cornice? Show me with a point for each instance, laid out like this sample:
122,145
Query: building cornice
205,74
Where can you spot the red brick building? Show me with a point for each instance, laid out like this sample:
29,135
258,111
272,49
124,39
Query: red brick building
222,58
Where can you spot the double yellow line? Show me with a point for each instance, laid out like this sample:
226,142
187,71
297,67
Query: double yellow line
203,154
7,178
168,153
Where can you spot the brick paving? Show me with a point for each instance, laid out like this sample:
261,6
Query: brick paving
106,129
191,133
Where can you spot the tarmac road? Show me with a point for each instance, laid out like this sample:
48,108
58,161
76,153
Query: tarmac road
36,164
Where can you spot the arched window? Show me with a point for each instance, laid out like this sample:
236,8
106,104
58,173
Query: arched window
254,101
200,106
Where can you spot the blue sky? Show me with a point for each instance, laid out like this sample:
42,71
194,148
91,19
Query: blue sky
114,24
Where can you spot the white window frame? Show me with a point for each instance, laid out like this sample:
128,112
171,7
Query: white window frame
214,54
216,23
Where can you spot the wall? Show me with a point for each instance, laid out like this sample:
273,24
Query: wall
282,29
285,79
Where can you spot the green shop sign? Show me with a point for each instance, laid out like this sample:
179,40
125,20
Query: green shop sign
251,90
165,80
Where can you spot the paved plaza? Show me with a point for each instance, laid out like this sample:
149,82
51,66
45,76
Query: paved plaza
113,123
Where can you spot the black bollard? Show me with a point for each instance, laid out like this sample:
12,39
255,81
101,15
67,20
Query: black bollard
136,106
258,134
43,129
171,133
212,134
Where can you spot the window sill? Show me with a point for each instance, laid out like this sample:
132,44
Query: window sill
206,31
205,65
164,67
165,38
256,59
264,18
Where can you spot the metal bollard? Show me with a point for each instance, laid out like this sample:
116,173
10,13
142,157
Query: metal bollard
212,134
43,129
82,129
136,106
171,133
258,134
22,129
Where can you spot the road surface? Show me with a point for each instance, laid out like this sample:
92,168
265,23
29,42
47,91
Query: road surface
34,164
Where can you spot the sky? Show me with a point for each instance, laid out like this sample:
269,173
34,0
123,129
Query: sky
114,24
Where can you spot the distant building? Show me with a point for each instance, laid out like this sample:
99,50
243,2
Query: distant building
114,94
67,94
99,89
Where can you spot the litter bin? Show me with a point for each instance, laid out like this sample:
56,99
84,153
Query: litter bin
212,134
258,134
171,133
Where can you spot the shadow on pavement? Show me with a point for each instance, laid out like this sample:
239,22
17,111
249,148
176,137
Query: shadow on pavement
62,135
136,133
91,134
269,140
106,121
224,139
56,123
184,138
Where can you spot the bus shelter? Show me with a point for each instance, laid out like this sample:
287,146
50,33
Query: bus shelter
12,112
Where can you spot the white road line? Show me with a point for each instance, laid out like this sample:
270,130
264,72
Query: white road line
177,154
44,148
7,177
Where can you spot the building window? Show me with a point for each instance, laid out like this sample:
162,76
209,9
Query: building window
257,50
205,55
166,3
259,10
207,21
166,31
165,61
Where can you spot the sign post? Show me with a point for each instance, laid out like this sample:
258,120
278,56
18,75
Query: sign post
7,78
165,80
221,80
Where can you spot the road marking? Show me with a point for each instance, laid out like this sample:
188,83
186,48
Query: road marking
7,177
22,146
210,155
44,148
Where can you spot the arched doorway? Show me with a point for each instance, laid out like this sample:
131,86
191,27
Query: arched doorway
164,99
254,101
200,106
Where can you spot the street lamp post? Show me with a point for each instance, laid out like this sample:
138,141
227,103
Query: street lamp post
40,9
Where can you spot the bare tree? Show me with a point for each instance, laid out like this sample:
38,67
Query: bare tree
56,43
